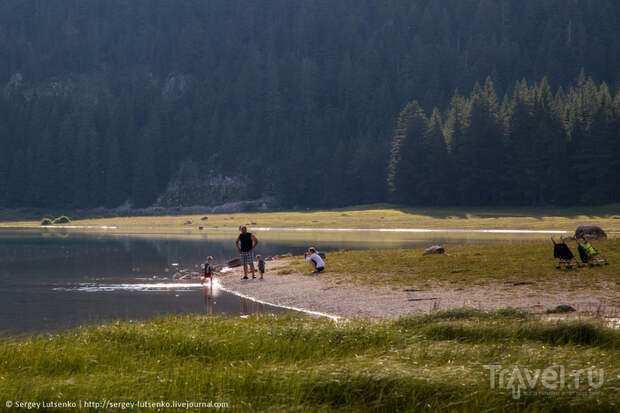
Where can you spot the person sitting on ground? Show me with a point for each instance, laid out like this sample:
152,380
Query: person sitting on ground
246,243
261,265
315,260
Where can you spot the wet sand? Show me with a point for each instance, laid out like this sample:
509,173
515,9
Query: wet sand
319,293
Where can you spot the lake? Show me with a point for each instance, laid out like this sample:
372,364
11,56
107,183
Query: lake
53,279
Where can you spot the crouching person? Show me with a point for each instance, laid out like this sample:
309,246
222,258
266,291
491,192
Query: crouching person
315,260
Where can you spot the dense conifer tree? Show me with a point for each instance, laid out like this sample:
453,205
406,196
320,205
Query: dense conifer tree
144,181
409,158
537,150
435,190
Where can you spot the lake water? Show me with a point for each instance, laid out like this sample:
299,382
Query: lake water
54,279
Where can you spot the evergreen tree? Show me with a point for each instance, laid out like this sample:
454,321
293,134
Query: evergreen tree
114,176
435,189
520,158
408,162
458,117
602,184
18,180
42,188
479,158
144,182
86,167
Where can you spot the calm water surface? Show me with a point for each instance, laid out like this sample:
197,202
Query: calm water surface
52,279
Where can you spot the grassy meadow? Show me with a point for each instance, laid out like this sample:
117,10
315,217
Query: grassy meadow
368,216
433,362
465,265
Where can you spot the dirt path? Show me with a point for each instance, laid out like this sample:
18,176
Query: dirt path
319,294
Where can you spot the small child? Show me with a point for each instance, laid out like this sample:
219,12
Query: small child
261,265
208,269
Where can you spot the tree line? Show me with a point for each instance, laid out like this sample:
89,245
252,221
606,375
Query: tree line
105,101
533,147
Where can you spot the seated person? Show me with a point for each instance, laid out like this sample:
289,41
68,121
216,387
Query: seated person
313,258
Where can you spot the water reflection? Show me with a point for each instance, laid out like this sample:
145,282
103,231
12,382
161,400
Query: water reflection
208,295
249,307
49,283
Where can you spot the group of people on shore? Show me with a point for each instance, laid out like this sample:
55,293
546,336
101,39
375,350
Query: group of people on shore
246,244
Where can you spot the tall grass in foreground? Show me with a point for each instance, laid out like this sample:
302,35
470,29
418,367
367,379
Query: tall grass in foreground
421,363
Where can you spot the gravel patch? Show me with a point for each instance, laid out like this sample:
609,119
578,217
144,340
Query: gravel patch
319,293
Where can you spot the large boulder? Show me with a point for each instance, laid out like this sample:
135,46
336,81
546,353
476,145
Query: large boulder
590,232
435,249
561,309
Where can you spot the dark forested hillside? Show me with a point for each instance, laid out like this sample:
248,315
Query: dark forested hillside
105,101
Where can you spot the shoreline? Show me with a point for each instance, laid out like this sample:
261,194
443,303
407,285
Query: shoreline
308,229
323,296
256,300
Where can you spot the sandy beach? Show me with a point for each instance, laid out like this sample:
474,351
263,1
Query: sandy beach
319,293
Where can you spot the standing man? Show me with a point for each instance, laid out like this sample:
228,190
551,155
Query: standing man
246,243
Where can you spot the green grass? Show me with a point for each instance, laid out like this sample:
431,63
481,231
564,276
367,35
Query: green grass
431,362
465,264
367,216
